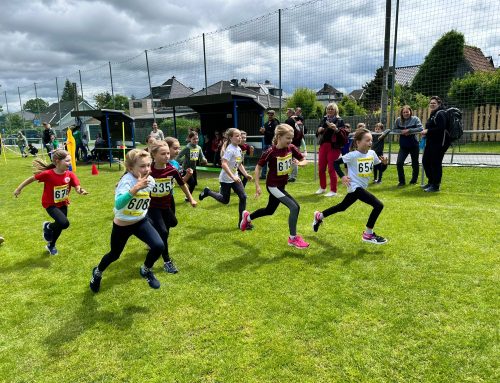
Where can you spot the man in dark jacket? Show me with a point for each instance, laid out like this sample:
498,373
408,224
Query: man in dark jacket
47,132
268,131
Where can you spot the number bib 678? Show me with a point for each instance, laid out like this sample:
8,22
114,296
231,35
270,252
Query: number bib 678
365,167
284,164
61,193
163,187
138,204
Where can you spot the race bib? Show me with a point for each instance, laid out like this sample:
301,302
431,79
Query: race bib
365,167
194,154
61,193
163,187
138,204
284,164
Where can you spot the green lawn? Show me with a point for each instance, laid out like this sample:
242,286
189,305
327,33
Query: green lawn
245,307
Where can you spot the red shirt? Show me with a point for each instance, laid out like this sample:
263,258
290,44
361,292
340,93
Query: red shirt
245,148
161,195
279,163
56,187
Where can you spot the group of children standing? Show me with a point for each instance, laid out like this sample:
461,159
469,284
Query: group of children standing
144,205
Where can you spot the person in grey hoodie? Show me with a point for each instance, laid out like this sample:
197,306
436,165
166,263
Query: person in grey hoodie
408,126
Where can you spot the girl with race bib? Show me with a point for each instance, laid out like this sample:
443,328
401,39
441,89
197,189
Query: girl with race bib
58,181
191,156
232,161
132,201
160,211
360,164
279,158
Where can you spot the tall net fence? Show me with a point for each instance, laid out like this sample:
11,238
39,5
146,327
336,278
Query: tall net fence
370,62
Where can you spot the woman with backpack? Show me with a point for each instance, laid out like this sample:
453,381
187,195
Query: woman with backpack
438,142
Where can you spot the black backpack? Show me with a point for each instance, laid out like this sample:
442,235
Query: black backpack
454,127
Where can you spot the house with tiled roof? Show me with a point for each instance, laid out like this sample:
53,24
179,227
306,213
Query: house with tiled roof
357,94
474,61
328,94
58,115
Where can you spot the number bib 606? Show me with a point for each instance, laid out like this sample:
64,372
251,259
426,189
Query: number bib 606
163,187
61,193
284,164
138,204
365,167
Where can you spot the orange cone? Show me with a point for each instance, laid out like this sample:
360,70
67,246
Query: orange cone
94,170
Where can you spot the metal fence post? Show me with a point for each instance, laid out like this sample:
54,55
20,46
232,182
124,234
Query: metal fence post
112,90
150,88
205,65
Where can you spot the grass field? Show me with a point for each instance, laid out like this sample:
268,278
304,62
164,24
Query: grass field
245,307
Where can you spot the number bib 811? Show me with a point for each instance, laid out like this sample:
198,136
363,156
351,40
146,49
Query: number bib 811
365,167
194,154
138,205
284,164
61,193
163,187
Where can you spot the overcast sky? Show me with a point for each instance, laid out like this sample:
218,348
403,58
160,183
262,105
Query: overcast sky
323,41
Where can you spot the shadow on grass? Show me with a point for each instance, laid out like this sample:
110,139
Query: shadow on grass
86,316
44,261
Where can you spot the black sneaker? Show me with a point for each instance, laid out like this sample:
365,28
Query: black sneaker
373,238
317,221
48,235
169,267
291,180
425,186
401,184
148,275
413,182
95,281
432,189
204,193
51,249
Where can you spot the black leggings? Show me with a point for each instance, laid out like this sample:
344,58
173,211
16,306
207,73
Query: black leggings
403,153
432,160
163,220
364,196
225,195
59,214
192,181
143,230
277,195
378,170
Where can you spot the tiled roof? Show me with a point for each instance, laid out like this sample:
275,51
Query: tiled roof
357,94
327,89
477,60
406,74
172,88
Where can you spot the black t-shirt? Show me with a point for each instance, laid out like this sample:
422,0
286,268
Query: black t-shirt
270,127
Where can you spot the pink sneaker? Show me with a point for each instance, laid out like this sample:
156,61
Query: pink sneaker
298,242
244,224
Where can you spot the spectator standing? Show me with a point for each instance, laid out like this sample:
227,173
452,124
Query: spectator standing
156,133
408,126
268,131
22,142
436,146
47,132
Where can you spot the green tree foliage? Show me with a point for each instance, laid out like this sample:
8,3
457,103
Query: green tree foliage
14,123
68,93
36,105
373,91
104,100
404,95
306,99
436,73
475,89
349,107
182,124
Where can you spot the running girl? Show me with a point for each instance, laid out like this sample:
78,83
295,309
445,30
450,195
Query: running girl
191,156
279,158
160,211
131,205
58,181
229,178
360,168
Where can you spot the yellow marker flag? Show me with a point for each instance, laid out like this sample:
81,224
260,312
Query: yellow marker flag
71,145
3,148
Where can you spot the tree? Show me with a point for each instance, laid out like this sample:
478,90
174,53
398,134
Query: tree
14,123
36,105
104,100
436,73
475,89
373,91
306,99
349,107
404,95
68,93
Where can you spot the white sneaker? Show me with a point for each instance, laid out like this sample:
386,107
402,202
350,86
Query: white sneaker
330,194
320,191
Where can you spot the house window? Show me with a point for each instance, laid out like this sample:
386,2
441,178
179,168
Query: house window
156,104
137,104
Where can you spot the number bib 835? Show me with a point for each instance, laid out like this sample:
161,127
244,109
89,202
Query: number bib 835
163,187
365,167
61,193
138,205
284,164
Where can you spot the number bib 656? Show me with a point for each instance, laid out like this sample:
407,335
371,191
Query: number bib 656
138,204
61,193
163,187
365,167
284,164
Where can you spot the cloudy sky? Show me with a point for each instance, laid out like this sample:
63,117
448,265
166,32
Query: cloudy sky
323,41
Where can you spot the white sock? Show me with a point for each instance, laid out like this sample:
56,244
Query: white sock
248,218
369,231
292,237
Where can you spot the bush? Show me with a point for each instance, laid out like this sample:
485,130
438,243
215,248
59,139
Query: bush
475,89
182,124
306,99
